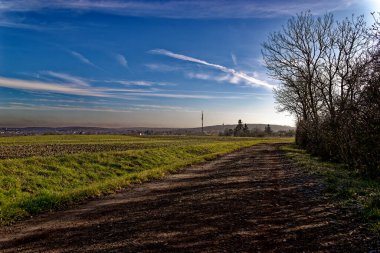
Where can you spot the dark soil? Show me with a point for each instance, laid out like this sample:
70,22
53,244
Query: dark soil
250,201
21,151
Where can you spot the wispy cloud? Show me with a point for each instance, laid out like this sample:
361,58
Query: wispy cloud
187,96
182,8
247,94
162,67
161,108
11,23
64,107
106,92
69,79
237,75
219,78
260,61
234,59
121,60
140,83
137,83
33,107
83,59
48,87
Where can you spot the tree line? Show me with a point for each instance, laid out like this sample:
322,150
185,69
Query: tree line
329,78
242,130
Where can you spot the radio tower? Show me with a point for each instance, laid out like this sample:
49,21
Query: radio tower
202,122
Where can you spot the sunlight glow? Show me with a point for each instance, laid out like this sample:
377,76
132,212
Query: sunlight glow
374,5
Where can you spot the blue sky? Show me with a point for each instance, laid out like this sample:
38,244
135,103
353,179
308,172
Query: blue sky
143,63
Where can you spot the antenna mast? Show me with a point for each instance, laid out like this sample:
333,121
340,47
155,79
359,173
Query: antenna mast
202,121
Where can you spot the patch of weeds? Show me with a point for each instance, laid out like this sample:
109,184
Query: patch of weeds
346,186
33,184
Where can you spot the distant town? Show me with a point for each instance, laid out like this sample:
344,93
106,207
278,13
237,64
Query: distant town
228,130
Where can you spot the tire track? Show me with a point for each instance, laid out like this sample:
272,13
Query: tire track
253,200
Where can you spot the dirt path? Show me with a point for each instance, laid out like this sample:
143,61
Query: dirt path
249,201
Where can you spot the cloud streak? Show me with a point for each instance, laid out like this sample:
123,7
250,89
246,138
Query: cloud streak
236,75
234,59
219,78
182,8
83,59
183,96
60,108
47,87
162,67
106,92
9,23
139,83
63,107
121,60
69,79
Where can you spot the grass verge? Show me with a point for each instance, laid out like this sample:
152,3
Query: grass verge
36,184
346,186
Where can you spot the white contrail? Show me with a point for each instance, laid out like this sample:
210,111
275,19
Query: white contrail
238,74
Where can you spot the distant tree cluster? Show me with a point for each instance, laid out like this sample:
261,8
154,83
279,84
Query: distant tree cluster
242,130
330,80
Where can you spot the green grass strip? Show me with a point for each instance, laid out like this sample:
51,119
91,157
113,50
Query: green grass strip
36,184
347,186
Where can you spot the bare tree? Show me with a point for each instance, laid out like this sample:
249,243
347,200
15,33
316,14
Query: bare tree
293,56
322,66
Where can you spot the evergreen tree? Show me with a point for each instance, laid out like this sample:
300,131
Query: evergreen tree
245,130
239,128
268,129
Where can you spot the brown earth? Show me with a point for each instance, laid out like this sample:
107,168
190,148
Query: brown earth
21,151
249,201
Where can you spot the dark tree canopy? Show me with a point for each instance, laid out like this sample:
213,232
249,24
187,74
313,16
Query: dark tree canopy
328,72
